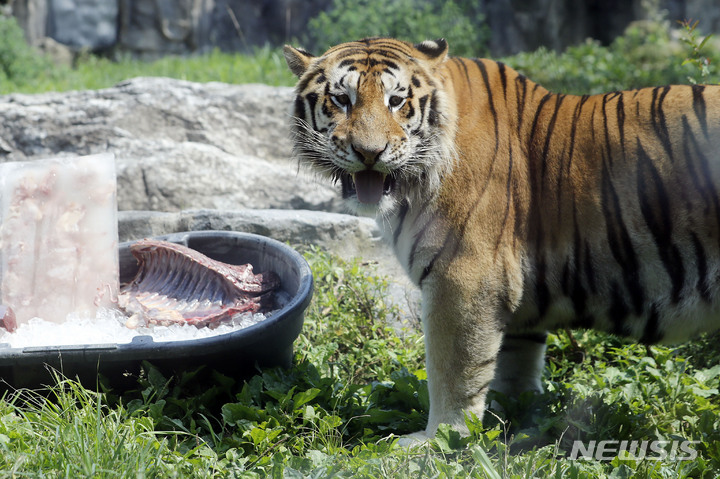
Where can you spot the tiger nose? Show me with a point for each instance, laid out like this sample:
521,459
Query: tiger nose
368,155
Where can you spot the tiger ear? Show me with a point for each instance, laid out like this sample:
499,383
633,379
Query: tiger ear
298,60
435,51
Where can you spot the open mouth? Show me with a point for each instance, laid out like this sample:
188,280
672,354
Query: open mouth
368,185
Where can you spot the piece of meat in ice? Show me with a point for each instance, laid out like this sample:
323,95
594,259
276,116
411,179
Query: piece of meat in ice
7,318
176,284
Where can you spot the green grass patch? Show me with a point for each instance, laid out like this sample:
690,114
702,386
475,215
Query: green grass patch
354,383
265,65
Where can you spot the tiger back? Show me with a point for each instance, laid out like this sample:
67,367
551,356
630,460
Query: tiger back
516,210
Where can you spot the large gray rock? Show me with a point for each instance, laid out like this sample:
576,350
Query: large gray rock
177,144
347,235
198,157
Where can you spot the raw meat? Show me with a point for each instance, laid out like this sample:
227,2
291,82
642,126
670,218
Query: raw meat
7,318
176,284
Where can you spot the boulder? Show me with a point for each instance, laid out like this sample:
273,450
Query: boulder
177,144
346,235
195,156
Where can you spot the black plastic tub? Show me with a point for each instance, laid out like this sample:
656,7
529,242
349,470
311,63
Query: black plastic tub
239,353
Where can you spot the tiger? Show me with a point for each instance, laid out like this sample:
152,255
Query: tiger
515,210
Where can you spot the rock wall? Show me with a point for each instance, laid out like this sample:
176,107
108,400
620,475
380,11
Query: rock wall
524,25
153,28
158,27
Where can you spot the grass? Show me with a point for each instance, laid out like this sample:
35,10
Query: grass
266,65
74,434
354,382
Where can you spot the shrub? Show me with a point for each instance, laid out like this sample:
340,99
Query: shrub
697,53
460,22
19,63
647,54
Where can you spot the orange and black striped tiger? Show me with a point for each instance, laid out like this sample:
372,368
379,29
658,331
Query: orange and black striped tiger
516,210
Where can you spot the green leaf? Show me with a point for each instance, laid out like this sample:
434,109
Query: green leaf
482,459
258,435
304,397
448,439
156,379
235,412
309,413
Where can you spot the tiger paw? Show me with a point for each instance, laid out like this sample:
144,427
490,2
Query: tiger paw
415,439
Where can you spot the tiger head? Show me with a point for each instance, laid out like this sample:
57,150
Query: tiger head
374,115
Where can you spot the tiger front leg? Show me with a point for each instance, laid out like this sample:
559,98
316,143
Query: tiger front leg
463,334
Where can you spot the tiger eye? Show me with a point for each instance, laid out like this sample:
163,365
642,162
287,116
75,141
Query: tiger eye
341,100
396,101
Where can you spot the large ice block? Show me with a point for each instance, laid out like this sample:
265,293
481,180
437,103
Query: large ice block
58,236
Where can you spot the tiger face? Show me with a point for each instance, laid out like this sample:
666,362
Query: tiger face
370,115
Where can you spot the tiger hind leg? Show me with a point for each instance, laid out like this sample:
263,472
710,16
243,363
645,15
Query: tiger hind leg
520,364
